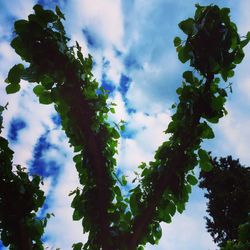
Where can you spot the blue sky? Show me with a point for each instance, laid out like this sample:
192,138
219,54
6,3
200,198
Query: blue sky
132,46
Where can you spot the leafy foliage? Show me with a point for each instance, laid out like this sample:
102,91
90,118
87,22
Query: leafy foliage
20,199
228,192
213,44
63,77
243,240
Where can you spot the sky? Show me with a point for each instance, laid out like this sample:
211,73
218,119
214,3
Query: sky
134,57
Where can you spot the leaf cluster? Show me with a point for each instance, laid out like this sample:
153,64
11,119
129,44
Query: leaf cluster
213,45
20,199
64,77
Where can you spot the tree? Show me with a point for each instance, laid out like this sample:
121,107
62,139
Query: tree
243,240
20,198
228,194
63,77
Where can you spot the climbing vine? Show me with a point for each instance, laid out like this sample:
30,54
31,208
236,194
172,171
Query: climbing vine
20,199
63,76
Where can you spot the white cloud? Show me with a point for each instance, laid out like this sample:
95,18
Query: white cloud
147,135
18,8
235,130
37,117
115,69
103,18
186,231
245,87
120,108
61,229
7,57
232,132
244,19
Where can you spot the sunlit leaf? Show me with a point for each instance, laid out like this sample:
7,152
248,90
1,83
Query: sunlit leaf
191,179
12,88
177,41
15,74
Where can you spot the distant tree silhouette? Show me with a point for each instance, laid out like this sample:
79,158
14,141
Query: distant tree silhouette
228,193
243,241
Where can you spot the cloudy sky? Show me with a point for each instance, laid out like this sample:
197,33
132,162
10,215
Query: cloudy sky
132,45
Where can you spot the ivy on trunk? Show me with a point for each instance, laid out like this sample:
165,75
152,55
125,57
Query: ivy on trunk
62,76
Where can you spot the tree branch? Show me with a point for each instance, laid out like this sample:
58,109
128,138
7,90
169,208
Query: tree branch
163,181
81,115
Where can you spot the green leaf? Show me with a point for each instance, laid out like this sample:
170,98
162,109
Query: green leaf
157,233
45,98
188,76
216,80
224,75
198,11
78,46
18,46
206,166
177,41
164,216
239,56
171,127
171,208
115,134
38,227
47,81
124,181
77,215
43,16
218,102
59,13
122,128
12,88
117,191
112,110
38,9
222,92
15,73
203,155
230,73
38,90
183,54
179,91
192,180
77,158
248,35
207,132
80,56
133,202
213,119
77,246
187,26
244,42
21,26
224,13
180,207
77,148
205,163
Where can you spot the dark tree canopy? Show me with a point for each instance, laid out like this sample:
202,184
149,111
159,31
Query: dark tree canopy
228,194
243,241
